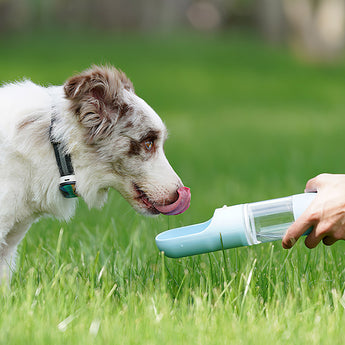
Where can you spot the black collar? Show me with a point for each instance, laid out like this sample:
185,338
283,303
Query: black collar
67,184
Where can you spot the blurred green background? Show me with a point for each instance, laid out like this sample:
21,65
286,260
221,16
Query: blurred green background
253,108
253,97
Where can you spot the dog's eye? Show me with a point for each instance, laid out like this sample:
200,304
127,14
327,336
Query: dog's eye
148,145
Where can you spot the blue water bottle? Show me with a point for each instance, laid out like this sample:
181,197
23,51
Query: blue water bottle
236,226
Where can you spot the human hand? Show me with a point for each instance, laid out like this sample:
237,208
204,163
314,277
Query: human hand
326,214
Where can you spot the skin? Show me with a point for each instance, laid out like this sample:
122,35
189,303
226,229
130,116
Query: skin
326,214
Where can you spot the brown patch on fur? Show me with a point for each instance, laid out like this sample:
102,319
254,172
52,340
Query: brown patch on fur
96,99
150,135
129,124
134,148
101,82
124,109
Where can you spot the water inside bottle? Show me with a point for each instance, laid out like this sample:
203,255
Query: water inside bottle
270,219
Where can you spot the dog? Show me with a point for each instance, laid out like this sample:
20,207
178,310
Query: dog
79,139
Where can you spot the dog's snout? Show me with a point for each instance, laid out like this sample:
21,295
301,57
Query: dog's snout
174,196
180,205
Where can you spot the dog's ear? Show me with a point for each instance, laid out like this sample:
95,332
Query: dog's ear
88,85
96,98
103,83
75,86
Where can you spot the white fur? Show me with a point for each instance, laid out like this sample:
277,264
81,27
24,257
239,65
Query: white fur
29,174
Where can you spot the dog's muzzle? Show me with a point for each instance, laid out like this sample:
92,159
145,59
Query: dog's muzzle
179,206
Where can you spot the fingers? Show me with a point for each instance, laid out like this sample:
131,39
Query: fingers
296,230
304,222
326,213
319,233
313,239
316,236
328,241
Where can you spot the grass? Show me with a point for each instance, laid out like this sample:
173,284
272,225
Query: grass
247,122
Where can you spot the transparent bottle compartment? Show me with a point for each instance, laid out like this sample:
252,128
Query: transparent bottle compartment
269,220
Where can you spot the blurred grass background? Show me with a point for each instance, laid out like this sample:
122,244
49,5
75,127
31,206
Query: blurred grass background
247,121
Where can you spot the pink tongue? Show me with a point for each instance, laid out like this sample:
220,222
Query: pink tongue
179,206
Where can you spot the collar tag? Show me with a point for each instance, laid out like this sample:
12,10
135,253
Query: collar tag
68,190
67,186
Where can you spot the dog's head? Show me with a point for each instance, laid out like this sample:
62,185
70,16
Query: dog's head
128,136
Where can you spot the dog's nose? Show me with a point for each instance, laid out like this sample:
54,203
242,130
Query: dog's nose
179,206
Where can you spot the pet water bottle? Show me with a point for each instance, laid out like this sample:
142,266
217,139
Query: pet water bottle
236,226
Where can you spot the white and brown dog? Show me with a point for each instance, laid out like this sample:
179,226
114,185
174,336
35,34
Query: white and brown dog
81,138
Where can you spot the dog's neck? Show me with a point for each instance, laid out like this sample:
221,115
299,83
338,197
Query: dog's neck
92,175
67,184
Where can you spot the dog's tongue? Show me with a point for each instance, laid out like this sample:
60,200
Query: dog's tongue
179,206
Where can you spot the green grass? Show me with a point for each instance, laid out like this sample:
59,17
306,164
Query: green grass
247,122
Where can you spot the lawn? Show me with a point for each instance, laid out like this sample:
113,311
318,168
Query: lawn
247,122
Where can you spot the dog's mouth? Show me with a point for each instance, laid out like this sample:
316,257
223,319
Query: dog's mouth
175,207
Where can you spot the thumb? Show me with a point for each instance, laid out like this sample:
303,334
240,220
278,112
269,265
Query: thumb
314,184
